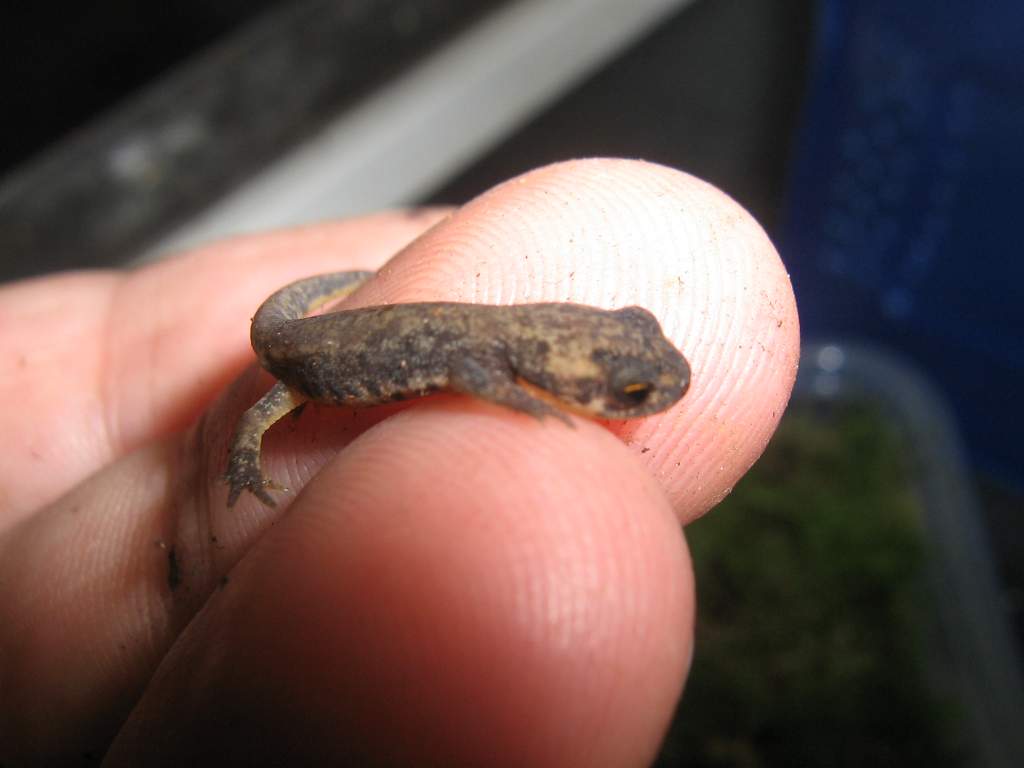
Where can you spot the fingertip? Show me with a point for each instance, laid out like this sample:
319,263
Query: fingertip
611,232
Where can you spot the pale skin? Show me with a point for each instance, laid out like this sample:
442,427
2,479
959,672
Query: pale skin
445,582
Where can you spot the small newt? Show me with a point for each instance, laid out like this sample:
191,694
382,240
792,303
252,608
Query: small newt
613,364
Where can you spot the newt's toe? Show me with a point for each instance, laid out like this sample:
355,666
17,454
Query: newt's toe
244,475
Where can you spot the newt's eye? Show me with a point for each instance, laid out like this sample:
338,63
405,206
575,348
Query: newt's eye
632,385
629,387
636,393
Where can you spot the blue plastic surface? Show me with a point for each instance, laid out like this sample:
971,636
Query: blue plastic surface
905,206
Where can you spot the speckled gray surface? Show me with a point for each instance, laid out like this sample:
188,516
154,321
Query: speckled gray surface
96,198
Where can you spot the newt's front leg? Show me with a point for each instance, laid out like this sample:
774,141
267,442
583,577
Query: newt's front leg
244,471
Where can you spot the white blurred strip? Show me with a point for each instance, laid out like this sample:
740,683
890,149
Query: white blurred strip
417,131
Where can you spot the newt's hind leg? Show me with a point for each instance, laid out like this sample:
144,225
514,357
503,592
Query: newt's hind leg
244,471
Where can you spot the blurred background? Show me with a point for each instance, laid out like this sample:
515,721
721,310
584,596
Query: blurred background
877,143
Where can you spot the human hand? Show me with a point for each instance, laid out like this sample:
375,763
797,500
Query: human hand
449,582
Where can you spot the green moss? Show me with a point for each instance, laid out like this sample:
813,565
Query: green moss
813,609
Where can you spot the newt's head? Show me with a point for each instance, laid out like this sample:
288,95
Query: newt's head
610,364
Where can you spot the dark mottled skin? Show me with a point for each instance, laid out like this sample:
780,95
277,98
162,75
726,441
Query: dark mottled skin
613,364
